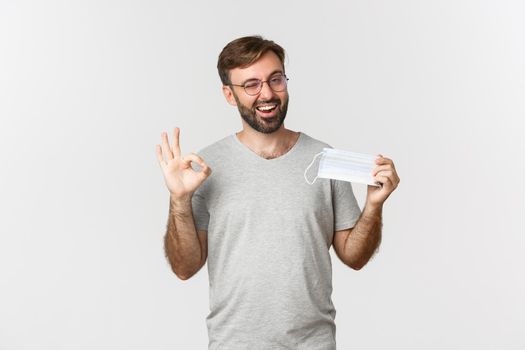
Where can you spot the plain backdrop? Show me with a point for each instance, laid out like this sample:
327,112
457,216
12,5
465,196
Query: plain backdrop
87,87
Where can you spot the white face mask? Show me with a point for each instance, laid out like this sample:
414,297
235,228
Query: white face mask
346,166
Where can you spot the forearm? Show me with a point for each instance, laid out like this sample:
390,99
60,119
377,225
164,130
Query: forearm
181,242
365,237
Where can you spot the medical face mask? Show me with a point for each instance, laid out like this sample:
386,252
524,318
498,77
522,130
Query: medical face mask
346,166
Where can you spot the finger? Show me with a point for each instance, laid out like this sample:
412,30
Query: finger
379,168
391,180
158,151
391,175
176,146
384,180
382,160
166,147
390,172
387,173
192,157
206,170
196,158
390,161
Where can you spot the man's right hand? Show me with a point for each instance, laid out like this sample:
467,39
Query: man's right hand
180,177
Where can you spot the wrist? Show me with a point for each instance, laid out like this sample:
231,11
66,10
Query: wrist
372,209
180,201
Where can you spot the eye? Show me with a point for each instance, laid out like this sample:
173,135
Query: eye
251,84
277,79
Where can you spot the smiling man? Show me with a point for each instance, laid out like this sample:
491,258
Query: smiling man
264,231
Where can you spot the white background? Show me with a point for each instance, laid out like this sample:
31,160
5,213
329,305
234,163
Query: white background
86,88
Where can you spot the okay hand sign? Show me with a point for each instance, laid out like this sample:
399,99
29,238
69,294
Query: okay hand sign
180,177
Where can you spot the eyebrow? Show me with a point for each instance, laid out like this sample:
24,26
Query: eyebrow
272,73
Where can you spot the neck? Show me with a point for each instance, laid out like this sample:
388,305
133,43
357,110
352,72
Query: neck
268,145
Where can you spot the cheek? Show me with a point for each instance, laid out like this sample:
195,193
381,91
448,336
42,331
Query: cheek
247,104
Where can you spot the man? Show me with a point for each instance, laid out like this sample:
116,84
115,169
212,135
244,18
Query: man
265,232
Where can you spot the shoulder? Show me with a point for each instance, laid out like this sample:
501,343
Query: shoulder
314,144
216,150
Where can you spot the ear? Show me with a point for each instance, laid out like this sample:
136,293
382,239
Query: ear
228,94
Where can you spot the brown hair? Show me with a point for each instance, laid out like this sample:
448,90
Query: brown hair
244,51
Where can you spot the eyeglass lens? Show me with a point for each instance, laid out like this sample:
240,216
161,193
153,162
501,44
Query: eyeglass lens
277,83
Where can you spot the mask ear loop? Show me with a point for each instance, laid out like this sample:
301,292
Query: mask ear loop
313,160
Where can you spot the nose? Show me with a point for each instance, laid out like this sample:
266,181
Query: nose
266,92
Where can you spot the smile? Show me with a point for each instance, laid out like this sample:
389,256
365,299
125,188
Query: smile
267,108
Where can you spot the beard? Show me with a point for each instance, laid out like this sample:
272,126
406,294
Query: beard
263,125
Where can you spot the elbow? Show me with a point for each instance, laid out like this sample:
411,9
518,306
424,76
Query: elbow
356,265
182,276
358,262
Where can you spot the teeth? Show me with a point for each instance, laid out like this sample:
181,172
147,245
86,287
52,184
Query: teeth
266,108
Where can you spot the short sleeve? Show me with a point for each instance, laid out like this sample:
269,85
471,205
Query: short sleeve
346,209
199,207
201,216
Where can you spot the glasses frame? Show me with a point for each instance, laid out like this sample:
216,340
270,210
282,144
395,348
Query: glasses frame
262,84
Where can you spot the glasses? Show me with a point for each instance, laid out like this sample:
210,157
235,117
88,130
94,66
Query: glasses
254,86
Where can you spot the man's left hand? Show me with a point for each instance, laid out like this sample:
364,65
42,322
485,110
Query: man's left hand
386,174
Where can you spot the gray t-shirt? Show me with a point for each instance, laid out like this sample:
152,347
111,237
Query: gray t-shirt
269,235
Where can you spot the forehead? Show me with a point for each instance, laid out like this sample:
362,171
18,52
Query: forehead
267,64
